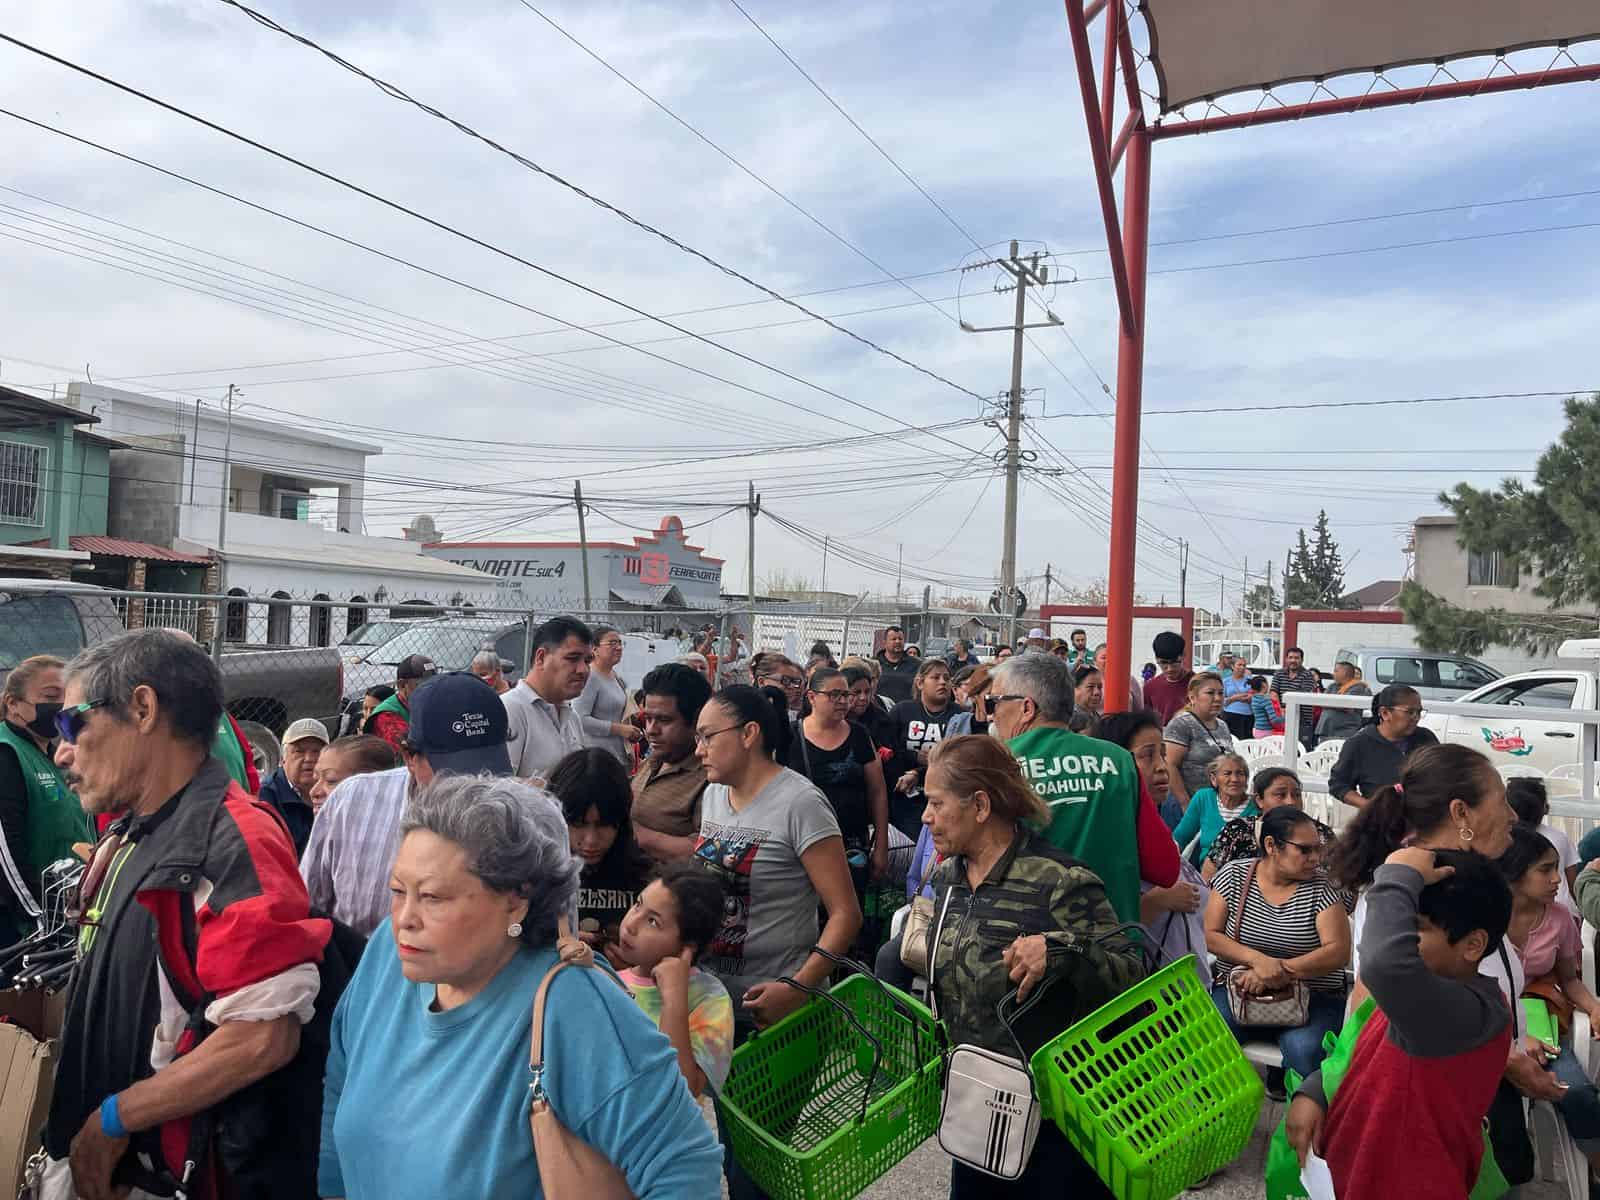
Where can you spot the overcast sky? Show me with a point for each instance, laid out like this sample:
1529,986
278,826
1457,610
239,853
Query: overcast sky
975,101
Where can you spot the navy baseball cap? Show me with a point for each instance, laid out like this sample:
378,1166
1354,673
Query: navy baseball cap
458,721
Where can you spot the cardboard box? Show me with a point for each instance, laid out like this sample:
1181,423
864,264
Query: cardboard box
33,1010
27,1075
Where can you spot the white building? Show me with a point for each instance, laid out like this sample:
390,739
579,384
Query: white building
179,460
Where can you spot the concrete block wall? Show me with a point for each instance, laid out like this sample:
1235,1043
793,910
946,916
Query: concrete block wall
146,487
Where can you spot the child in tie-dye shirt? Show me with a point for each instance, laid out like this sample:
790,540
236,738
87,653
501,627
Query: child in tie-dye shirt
674,918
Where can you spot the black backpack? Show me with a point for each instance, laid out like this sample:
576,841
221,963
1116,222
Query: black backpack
267,1136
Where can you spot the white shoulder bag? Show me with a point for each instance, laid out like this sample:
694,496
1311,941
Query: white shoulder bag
990,1116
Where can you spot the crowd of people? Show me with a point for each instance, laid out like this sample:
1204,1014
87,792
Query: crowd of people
321,983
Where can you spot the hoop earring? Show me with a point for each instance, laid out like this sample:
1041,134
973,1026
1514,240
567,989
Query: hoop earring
1464,834
514,930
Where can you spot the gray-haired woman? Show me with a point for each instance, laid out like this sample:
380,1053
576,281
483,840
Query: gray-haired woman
427,1082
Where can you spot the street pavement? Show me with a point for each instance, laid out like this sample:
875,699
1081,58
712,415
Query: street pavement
925,1173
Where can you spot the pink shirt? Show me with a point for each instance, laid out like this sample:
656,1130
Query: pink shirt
1555,936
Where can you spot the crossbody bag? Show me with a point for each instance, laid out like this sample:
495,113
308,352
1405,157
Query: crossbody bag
1281,1008
989,1118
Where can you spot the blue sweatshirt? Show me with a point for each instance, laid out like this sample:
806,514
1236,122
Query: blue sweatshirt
421,1105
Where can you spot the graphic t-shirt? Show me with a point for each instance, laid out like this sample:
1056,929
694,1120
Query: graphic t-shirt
1092,788
841,774
770,914
710,1018
915,729
606,893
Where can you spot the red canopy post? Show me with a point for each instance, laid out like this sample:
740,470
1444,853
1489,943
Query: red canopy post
1125,454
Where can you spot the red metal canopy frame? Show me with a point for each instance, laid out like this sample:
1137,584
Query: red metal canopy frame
1127,238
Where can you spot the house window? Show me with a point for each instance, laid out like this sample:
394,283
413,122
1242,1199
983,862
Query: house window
1489,570
356,617
22,483
237,627
280,620
321,622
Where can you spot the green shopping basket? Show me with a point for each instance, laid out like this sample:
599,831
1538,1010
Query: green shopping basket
1151,1088
836,1093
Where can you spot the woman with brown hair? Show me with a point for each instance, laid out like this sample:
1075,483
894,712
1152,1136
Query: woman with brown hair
39,817
1013,912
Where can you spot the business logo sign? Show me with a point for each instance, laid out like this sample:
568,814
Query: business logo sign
1506,741
651,566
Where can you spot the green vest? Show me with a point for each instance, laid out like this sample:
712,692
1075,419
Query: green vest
1092,788
392,705
55,819
225,746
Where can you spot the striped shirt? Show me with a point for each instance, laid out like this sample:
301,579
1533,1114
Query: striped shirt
1283,931
347,862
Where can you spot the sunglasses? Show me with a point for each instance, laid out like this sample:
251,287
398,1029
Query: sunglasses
70,721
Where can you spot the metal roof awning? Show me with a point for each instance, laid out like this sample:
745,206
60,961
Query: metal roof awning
123,548
660,595
1206,48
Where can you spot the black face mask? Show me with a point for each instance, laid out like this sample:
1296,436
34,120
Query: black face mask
44,718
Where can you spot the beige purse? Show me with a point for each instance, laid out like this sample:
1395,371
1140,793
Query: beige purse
568,1165
914,933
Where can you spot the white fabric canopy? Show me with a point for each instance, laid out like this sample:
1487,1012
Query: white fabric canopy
1205,48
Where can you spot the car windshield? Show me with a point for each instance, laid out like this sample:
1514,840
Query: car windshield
451,647
374,633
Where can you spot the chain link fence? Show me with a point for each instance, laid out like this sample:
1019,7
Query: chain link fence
284,656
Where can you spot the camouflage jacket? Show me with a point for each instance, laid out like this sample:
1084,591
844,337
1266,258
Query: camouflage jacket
1033,889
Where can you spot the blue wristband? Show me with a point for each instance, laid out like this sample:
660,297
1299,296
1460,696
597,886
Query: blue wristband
110,1119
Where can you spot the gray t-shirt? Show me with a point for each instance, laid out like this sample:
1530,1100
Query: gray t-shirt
1200,745
770,916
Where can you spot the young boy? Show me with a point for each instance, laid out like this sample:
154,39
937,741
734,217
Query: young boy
674,918
1408,1117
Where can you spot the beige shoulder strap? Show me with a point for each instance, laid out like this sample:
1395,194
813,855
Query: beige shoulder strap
536,1042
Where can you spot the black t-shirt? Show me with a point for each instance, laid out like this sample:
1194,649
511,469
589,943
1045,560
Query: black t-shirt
1369,761
915,729
895,680
607,890
841,774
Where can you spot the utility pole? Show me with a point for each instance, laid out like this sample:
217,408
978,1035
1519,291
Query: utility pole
824,563
1269,589
1024,273
1183,573
754,508
222,527
194,448
899,562
583,547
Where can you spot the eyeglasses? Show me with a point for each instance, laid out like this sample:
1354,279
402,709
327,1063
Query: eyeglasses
1308,850
1167,662
994,700
704,739
70,721
612,644
784,681
837,697
1410,712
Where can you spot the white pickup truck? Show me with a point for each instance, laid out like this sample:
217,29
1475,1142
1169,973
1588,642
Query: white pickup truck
1532,733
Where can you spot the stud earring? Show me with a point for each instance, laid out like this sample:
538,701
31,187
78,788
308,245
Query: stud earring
514,930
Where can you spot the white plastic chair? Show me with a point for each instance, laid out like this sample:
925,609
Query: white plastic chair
1552,1144
1520,771
1582,1045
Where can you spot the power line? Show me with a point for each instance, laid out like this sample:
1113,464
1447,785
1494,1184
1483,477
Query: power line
732,159
446,228
1278,407
1333,222
397,93
854,124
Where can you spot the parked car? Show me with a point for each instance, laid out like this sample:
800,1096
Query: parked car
267,685
450,642
361,642
1532,733
1435,676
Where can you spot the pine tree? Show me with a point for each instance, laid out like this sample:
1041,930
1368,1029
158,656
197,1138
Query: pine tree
1316,570
1549,530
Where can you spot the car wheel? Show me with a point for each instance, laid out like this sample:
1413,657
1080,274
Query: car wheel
264,748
